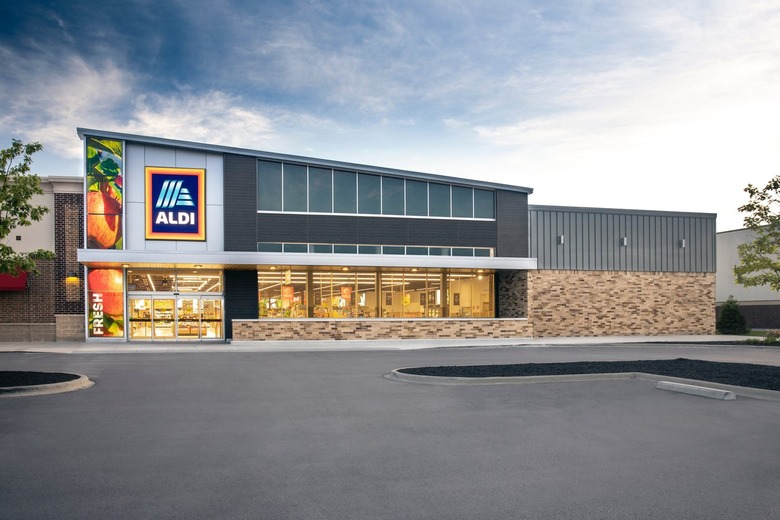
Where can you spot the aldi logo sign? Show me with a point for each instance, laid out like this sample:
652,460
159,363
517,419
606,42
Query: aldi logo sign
175,203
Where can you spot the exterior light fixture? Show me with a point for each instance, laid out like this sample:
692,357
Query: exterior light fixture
72,277
624,241
682,244
560,240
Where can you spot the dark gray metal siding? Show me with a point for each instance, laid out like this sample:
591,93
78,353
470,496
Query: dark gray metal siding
593,240
333,229
240,298
512,224
240,192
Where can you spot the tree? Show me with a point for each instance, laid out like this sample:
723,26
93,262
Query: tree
17,187
759,260
731,320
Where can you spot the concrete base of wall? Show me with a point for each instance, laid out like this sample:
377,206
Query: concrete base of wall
314,329
25,332
69,327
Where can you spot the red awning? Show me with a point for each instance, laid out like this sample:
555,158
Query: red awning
13,283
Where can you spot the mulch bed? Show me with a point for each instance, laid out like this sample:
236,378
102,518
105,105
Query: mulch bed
738,374
12,378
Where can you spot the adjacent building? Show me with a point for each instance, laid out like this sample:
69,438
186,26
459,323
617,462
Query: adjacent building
48,305
760,305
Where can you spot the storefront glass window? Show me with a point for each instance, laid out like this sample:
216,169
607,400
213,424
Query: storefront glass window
462,251
484,204
295,187
369,189
392,196
439,195
301,188
269,186
269,247
343,293
295,248
345,249
417,198
393,295
151,280
282,293
462,202
199,280
344,192
471,295
320,190
321,248
181,280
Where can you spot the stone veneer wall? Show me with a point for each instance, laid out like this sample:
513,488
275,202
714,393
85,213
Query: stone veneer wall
617,303
70,327
512,294
314,329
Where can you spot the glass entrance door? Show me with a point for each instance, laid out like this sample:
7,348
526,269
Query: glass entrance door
163,318
188,318
211,318
172,317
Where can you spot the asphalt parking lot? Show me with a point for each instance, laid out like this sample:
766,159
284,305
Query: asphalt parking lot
324,435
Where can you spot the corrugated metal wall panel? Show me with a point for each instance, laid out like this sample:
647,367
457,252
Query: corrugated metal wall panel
593,240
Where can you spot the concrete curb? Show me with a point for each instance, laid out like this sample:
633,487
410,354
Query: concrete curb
756,393
51,388
701,391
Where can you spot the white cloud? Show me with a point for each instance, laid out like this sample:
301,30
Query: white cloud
212,117
46,101
685,129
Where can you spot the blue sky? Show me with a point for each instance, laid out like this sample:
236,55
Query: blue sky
668,105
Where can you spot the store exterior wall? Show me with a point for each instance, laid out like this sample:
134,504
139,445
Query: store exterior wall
552,270
614,303
379,329
512,294
621,272
138,157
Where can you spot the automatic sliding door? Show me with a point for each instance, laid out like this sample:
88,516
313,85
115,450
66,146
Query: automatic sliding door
211,318
163,318
188,318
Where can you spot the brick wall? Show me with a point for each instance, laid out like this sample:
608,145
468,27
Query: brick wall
68,237
612,303
314,329
29,315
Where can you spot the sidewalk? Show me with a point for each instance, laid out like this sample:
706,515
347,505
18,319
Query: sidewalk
83,347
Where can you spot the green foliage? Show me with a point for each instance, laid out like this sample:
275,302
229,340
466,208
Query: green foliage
731,320
760,259
17,187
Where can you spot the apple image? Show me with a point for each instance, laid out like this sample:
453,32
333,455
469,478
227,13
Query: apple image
104,221
108,282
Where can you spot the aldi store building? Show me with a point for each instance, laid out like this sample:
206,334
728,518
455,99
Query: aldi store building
194,242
